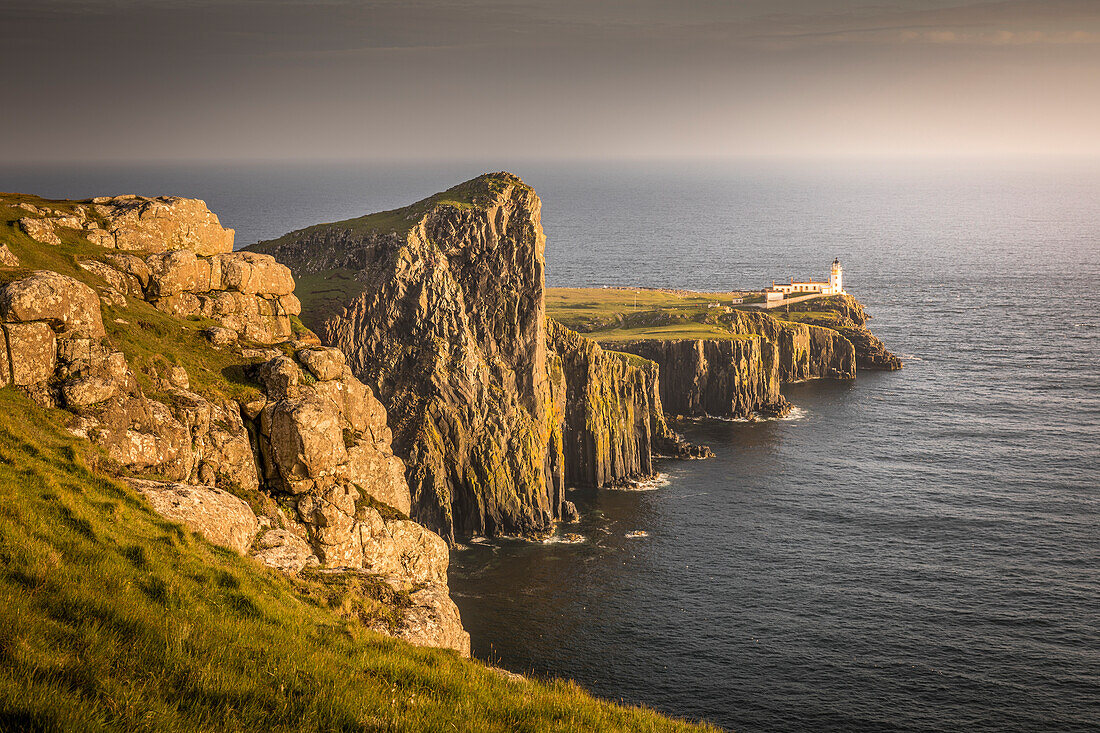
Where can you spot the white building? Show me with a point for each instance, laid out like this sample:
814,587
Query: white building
835,286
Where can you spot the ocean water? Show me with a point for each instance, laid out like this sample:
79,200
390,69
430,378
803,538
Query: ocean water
914,551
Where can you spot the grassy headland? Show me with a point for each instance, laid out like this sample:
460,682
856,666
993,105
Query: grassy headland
625,314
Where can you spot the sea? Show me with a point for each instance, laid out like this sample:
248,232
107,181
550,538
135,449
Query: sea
908,551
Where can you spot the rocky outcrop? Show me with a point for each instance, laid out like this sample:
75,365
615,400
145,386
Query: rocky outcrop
134,223
846,315
612,418
494,411
313,454
607,426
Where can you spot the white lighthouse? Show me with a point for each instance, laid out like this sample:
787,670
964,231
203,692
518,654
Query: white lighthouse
836,278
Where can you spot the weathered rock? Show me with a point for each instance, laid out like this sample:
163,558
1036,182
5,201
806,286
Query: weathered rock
66,304
569,512
33,351
325,363
434,621
178,271
249,272
285,551
88,390
40,230
377,472
306,438
163,224
607,416
217,515
845,315
402,551
280,378
736,377
7,257
220,337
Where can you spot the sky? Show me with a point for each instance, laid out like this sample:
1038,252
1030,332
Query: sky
122,80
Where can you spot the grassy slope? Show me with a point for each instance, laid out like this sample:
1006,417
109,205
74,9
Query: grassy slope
113,619
596,312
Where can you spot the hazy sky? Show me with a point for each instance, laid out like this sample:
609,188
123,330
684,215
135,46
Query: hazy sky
169,79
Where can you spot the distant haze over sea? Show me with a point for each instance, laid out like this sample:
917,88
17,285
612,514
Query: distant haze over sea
912,551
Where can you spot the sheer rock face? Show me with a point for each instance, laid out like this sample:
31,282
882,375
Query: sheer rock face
722,378
450,334
608,412
741,377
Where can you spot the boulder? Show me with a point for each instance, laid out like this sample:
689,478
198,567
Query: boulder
285,551
88,390
280,378
40,230
406,554
306,438
33,351
257,274
67,304
377,472
433,620
179,271
569,512
220,337
325,363
217,515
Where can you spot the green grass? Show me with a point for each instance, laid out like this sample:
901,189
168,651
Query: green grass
465,195
113,619
325,295
633,314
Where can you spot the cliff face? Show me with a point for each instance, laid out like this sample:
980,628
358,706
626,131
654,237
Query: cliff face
728,378
846,315
608,411
493,410
450,331
741,376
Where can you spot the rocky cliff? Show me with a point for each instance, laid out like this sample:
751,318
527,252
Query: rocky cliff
846,315
740,375
176,358
443,315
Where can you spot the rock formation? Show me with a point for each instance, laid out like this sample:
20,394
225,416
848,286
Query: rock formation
494,413
309,448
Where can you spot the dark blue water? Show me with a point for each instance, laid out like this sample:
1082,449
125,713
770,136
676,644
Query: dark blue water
913,551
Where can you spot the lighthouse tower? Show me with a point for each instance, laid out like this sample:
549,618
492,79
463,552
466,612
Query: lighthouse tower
836,278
